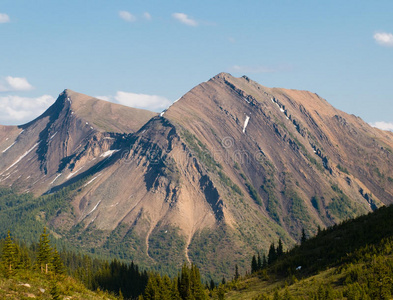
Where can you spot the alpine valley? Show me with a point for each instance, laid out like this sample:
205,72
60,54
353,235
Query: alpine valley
229,168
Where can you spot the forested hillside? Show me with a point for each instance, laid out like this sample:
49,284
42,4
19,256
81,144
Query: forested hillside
353,260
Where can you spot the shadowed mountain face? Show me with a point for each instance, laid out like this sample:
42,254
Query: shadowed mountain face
226,170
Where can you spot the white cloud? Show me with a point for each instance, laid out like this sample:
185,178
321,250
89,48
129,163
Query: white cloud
12,84
127,16
383,125
384,39
4,18
150,102
183,18
15,110
147,16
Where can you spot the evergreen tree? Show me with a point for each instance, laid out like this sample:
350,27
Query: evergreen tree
54,290
254,264
165,290
237,275
264,262
303,238
9,256
272,254
197,289
259,262
58,266
175,295
212,285
185,286
152,288
280,250
44,257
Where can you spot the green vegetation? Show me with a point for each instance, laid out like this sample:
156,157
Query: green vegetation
341,206
305,152
203,154
228,182
379,173
38,271
353,260
343,169
200,150
316,203
44,268
167,245
253,193
297,208
186,286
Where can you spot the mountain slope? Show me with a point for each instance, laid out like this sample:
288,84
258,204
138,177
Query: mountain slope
226,170
352,260
289,145
73,132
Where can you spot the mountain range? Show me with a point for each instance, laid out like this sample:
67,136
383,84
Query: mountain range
224,171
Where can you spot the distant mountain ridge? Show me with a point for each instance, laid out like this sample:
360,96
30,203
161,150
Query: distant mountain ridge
224,171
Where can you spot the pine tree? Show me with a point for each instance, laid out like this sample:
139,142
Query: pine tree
197,289
175,295
272,254
280,250
259,262
10,256
54,290
185,286
264,262
152,289
254,264
212,285
58,266
237,275
303,238
165,289
44,252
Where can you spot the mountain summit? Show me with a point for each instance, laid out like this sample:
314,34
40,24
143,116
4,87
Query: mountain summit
76,128
229,168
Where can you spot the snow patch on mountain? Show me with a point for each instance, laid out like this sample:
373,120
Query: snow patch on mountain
246,123
9,147
109,153
22,156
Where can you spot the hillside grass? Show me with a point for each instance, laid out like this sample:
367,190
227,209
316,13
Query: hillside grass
353,260
27,284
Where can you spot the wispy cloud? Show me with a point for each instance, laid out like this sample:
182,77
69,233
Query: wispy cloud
147,16
383,125
4,18
150,102
258,69
12,84
185,19
384,39
15,110
127,16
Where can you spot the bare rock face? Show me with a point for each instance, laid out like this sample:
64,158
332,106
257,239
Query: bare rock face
226,170
67,139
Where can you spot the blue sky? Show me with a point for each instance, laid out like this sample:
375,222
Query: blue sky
150,53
